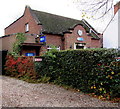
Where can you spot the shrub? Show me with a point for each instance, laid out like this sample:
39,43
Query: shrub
20,38
20,66
89,70
51,51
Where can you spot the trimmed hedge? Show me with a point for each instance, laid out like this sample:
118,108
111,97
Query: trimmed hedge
90,70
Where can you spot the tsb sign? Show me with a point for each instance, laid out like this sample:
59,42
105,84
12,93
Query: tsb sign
80,39
43,39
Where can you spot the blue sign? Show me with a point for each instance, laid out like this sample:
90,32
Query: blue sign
29,54
43,39
80,39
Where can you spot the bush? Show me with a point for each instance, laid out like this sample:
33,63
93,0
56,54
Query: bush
19,66
89,70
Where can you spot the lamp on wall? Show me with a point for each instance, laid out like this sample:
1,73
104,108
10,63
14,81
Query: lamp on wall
37,35
36,38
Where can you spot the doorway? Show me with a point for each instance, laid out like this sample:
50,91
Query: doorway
79,46
30,50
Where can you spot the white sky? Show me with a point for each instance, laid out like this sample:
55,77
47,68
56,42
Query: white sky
10,10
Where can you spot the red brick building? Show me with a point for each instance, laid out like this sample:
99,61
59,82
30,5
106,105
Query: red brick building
62,32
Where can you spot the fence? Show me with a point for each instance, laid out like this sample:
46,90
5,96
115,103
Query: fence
3,54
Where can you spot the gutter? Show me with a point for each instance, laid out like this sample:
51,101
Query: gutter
90,28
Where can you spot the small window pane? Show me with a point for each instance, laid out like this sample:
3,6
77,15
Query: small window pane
27,27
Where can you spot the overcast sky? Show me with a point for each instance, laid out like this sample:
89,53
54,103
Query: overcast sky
11,10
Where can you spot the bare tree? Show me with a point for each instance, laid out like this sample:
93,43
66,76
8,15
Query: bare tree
96,8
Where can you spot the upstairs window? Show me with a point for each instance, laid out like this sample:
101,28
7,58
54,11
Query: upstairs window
26,27
90,31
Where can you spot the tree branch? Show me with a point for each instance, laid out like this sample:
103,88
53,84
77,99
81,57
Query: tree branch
98,7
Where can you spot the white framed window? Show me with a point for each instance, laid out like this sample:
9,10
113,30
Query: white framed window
90,30
48,48
79,46
26,27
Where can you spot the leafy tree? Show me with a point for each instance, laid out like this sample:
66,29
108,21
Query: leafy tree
20,38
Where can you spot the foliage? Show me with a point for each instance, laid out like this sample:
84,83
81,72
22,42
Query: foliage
19,66
72,68
75,68
51,51
107,82
43,79
20,38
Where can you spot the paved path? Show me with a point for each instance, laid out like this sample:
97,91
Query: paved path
17,93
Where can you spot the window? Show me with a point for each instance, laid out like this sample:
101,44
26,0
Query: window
26,27
90,30
79,46
48,48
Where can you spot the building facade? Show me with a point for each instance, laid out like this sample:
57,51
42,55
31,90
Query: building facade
111,35
44,29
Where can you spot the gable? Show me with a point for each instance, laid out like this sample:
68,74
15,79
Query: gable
24,24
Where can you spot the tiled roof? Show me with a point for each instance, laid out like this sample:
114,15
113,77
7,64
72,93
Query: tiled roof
56,24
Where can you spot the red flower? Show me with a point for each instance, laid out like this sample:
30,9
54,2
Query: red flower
13,62
19,59
99,64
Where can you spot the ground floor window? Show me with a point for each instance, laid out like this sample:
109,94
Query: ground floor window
79,46
49,48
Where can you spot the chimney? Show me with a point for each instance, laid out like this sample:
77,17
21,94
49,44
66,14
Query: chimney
116,7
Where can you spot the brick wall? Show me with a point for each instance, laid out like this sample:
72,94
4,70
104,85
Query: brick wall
116,7
50,40
29,39
54,40
96,43
19,25
7,42
70,39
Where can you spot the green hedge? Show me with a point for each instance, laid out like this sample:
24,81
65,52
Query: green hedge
90,70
